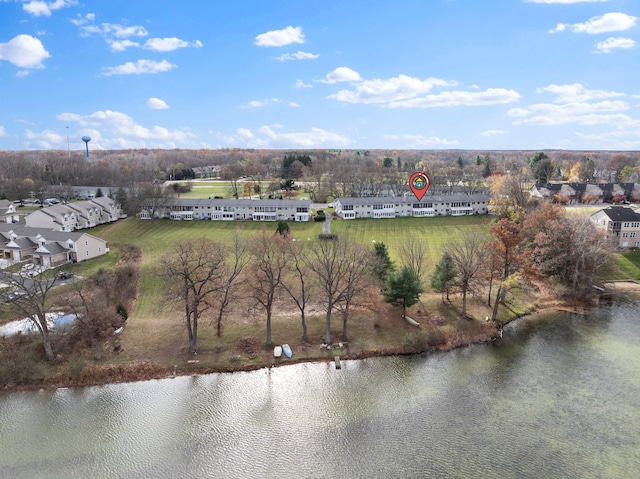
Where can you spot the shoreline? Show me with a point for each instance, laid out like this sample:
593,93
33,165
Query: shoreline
142,370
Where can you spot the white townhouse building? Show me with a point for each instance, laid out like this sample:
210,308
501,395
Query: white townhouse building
232,210
46,247
75,216
409,206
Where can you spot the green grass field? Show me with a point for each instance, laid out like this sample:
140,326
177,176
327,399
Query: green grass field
156,237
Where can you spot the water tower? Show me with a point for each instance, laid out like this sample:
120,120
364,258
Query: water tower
86,140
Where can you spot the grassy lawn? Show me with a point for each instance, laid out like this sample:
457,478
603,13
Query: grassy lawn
627,267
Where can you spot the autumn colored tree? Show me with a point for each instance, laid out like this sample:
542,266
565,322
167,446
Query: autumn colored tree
509,198
573,251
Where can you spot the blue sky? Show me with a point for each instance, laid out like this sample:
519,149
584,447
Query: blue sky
294,74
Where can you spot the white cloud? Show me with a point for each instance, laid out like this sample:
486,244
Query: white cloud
3,132
115,30
293,104
611,43
341,74
580,113
24,51
279,38
139,67
157,104
39,8
121,45
112,129
297,56
301,84
488,133
81,20
404,91
260,103
395,89
609,22
576,92
45,140
491,96
266,137
169,44
422,141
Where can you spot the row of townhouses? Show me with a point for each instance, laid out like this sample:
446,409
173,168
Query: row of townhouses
48,248
586,192
408,205
231,209
300,210
76,216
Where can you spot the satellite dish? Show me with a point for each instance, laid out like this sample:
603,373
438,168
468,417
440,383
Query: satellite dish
86,140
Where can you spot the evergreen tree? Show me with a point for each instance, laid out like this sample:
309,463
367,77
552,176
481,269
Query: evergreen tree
403,289
384,265
283,228
443,275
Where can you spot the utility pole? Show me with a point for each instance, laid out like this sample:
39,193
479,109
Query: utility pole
68,144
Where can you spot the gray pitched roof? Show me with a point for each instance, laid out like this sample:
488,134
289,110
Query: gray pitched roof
410,199
620,213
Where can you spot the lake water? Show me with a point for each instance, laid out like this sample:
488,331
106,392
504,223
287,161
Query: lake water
558,397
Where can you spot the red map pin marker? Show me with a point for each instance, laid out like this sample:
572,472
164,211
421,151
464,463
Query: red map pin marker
419,183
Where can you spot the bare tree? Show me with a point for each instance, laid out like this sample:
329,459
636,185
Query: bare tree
96,315
237,259
296,284
331,261
198,267
269,260
414,255
468,257
358,278
32,301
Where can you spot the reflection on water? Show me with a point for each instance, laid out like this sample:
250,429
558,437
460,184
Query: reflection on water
558,397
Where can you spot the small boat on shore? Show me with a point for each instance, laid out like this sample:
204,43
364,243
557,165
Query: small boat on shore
286,349
277,351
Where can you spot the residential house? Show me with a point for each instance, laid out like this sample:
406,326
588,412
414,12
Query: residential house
548,191
232,210
48,248
621,225
75,216
409,206
588,193
8,213
612,190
